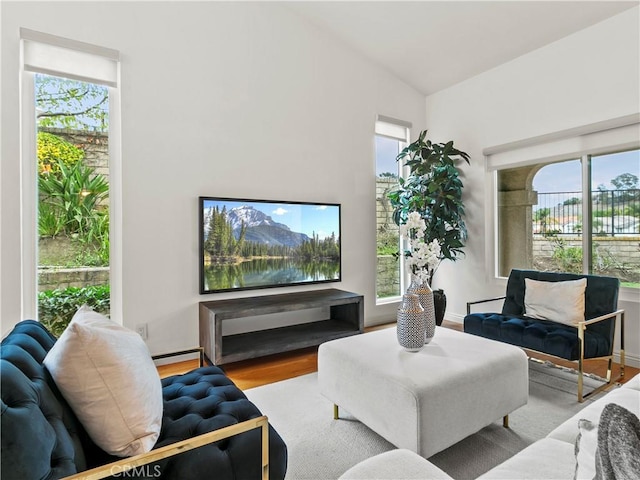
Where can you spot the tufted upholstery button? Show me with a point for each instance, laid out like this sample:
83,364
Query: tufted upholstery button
29,397
204,400
541,335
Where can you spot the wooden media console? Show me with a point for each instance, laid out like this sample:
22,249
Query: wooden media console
346,317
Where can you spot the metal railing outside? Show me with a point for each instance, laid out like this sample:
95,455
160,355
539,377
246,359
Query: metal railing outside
614,213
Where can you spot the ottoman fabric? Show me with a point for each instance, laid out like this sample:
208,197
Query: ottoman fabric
429,400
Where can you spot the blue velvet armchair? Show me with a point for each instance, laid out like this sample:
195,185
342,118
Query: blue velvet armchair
593,338
209,428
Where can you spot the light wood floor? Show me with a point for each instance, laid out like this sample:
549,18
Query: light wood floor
274,368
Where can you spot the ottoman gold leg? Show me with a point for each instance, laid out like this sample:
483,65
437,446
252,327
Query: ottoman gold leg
505,421
335,412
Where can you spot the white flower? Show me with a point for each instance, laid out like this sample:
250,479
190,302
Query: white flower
414,228
421,258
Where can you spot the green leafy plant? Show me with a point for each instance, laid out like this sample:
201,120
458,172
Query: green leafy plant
434,190
71,203
568,258
50,223
75,193
57,307
387,242
95,246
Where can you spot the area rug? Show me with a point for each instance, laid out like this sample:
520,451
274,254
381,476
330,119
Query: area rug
321,448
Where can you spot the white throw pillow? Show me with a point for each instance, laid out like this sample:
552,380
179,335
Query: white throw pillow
107,376
561,302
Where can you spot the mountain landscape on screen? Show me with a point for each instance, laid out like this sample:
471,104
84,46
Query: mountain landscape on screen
243,247
261,228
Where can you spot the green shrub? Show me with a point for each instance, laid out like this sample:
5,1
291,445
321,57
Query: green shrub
71,203
57,307
387,242
53,149
50,222
569,258
75,194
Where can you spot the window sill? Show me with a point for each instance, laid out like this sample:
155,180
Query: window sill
388,300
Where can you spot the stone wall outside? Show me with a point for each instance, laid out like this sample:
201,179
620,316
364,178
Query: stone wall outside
52,278
625,249
94,144
384,209
614,256
388,275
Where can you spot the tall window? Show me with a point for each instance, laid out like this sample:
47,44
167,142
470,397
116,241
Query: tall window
68,89
579,215
391,137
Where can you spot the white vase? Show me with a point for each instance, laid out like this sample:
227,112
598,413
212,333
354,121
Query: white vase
425,296
410,323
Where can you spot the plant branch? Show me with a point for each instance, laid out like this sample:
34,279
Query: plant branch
72,114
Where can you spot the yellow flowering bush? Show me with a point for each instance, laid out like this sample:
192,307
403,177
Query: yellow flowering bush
52,149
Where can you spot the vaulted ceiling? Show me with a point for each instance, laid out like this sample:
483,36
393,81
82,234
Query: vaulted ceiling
432,45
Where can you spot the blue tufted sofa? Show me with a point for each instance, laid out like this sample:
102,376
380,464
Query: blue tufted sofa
41,437
593,338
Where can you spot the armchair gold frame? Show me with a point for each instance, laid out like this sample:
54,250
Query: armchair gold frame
127,464
581,329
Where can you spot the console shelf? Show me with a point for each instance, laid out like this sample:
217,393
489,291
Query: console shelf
346,317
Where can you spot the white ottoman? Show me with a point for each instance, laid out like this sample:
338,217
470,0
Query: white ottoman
429,400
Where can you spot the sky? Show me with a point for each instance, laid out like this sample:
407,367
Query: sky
386,152
565,176
302,218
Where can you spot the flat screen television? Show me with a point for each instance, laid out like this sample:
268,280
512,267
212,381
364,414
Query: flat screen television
249,244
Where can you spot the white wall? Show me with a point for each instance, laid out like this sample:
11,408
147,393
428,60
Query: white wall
585,78
221,99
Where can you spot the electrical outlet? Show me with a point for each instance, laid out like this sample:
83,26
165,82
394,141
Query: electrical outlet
142,330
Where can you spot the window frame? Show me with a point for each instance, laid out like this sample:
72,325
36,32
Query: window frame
29,174
607,137
400,131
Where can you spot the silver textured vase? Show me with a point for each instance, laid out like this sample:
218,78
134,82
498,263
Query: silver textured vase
411,323
425,296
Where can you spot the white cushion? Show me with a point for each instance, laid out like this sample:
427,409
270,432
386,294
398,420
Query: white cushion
107,376
546,459
625,397
585,449
561,302
634,383
393,465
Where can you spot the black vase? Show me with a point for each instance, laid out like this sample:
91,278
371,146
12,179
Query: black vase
440,304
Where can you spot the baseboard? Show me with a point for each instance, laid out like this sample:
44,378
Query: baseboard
454,317
629,359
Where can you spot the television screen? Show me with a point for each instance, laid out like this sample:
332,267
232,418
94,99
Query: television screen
247,244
